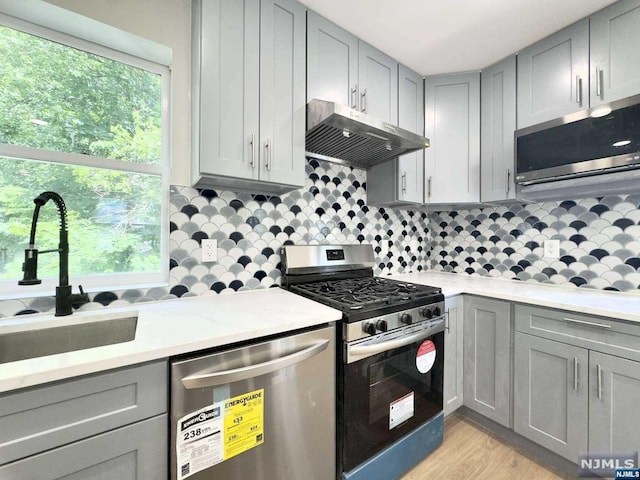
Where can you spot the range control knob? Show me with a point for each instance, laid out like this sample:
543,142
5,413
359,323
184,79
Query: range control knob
436,311
369,328
406,318
382,325
426,312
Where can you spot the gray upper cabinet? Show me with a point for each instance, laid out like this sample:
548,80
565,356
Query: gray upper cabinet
452,124
615,57
553,76
551,390
378,77
332,62
248,94
614,424
487,358
401,180
498,122
348,71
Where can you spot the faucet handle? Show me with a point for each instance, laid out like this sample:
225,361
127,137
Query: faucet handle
81,289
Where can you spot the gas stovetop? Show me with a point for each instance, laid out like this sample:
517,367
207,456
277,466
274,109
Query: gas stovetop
366,297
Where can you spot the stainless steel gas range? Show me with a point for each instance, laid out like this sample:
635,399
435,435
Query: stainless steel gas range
390,358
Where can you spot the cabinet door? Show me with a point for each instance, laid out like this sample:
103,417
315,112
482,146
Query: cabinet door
452,124
378,76
282,91
487,357
411,117
615,57
498,115
453,355
228,85
614,423
136,452
553,76
551,394
332,62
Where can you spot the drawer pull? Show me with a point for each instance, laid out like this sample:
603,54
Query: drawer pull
587,324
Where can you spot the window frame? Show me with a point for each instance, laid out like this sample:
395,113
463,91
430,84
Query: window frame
110,281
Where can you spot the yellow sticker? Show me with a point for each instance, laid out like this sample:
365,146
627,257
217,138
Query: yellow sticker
243,423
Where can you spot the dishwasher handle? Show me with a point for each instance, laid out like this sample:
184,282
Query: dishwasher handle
243,373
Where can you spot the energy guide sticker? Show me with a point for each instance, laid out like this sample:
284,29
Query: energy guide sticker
219,432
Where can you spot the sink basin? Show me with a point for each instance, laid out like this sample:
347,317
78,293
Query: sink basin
82,334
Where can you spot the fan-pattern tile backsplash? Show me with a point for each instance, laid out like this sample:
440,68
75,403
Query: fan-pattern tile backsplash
599,239
250,229
599,242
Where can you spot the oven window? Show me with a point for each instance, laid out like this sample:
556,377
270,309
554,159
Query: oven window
374,385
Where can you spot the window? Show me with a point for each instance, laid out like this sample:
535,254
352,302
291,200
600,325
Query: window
91,124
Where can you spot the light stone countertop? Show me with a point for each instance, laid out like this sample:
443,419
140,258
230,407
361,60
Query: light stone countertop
166,328
616,305
175,327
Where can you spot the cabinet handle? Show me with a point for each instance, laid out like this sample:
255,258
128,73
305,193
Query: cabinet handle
508,186
575,373
354,97
253,151
429,187
578,90
404,182
363,100
267,150
446,320
599,382
599,78
588,324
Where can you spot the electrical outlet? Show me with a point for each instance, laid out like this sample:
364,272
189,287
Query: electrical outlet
552,248
209,250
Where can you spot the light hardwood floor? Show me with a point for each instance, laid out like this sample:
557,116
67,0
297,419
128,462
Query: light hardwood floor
468,451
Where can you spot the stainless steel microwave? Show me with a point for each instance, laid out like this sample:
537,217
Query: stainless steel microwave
599,140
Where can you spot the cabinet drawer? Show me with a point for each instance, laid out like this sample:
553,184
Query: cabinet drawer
616,337
130,453
46,417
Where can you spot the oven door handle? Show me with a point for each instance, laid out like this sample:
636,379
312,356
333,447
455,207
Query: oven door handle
358,352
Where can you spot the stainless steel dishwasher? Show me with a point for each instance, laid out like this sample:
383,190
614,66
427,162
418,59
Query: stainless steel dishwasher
264,411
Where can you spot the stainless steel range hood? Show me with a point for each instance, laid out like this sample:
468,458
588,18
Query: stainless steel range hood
340,134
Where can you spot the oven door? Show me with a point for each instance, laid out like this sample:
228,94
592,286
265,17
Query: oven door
389,388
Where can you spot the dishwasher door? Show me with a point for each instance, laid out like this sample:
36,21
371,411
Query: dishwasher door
264,411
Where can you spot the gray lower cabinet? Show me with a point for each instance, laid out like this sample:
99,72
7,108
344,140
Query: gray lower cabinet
487,358
135,452
498,122
553,76
248,88
453,354
452,124
102,426
614,383
400,181
551,394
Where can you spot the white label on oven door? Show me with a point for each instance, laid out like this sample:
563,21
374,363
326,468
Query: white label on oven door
400,410
426,356
199,442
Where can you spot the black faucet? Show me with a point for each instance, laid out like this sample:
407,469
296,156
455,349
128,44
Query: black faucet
64,298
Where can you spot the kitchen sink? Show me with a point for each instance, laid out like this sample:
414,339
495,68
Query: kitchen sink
49,339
